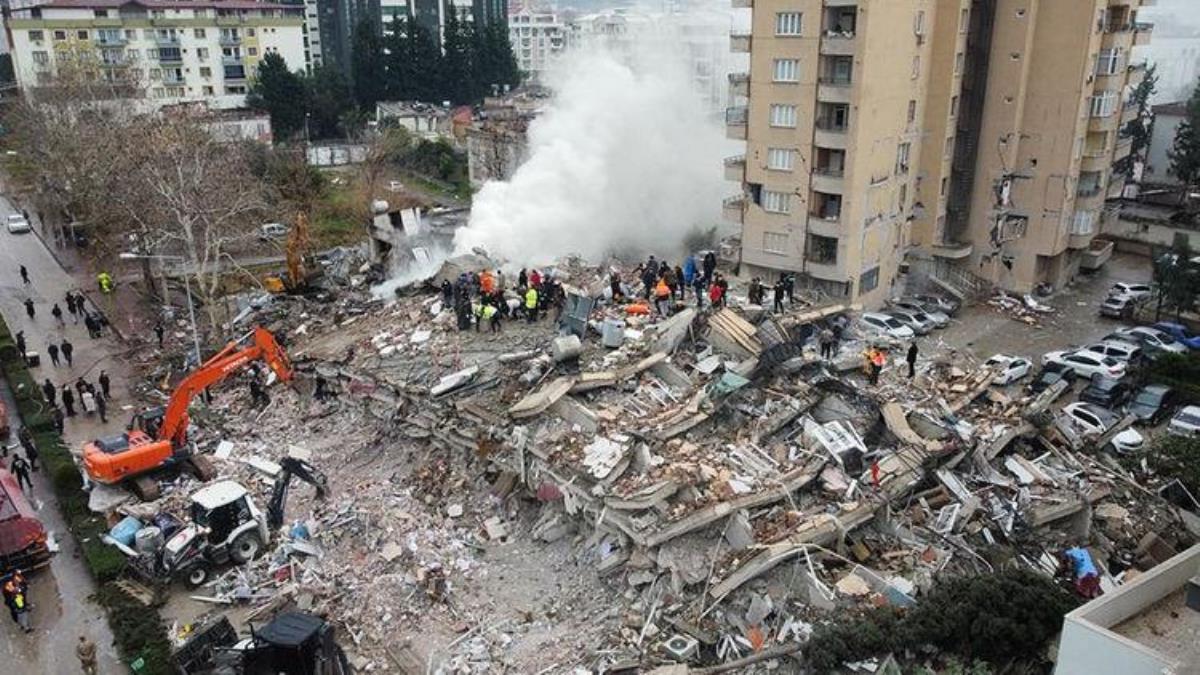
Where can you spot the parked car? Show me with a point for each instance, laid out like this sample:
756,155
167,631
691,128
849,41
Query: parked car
1092,420
917,321
1154,341
1186,422
272,231
1120,350
1179,332
1136,291
1012,368
939,318
887,326
945,304
1050,375
1152,403
17,224
1119,306
1106,391
1086,363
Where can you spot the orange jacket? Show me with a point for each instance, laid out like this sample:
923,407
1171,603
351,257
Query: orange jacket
487,283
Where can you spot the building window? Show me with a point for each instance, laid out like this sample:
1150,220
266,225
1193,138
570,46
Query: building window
783,115
949,148
780,159
822,250
252,51
916,67
959,59
919,23
131,54
945,185
36,36
869,281
902,152
250,32
208,91
60,35
912,111
954,106
775,242
1104,104
785,70
964,19
904,196
41,58
1108,61
202,53
147,34
1084,222
198,33
100,13
81,34
155,74
776,202
788,23
205,71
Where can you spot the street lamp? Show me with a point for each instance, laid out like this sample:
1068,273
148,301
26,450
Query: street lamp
187,286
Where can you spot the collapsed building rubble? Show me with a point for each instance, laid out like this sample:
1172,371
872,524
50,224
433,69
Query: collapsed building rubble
695,489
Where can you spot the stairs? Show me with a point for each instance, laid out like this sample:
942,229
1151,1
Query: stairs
960,282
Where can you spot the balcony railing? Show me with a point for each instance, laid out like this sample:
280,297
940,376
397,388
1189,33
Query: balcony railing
739,43
231,60
166,39
229,40
172,79
112,41
831,126
1088,190
739,114
835,80
832,172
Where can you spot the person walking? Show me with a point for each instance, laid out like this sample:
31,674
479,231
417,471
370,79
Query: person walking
67,350
71,309
92,325
59,421
57,313
25,276
50,392
777,293
911,358
68,399
105,383
531,304
825,337
710,266
158,332
662,297
20,469
21,343
27,444
698,286
877,362
52,350
85,651
101,406
30,309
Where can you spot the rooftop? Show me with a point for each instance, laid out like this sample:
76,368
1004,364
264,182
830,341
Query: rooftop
162,4
1168,627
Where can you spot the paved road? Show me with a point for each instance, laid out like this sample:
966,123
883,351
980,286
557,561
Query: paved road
61,595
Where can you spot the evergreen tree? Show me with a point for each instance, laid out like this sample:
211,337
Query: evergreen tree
328,100
1185,154
280,93
397,60
367,70
425,63
504,60
1138,129
458,67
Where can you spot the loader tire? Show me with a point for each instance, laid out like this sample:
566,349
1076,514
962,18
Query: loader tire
245,547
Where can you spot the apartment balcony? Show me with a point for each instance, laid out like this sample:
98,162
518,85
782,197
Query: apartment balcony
739,43
829,180
952,250
173,80
1103,124
231,61
1110,81
1089,198
1136,73
834,43
1095,160
736,120
1123,148
1142,32
1129,113
111,41
739,84
166,40
1080,241
829,135
832,271
230,40
834,90
170,57
733,209
842,3
1116,186
114,63
235,73
825,227
735,168
742,4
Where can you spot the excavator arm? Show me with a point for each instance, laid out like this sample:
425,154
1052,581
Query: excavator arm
298,468
262,346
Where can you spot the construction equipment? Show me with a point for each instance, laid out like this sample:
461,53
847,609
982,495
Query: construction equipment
296,277
293,642
157,438
23,541
290,466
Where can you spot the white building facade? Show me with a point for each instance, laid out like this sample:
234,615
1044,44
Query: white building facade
536,38
174,51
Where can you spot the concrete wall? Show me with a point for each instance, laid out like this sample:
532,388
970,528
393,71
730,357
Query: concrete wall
1162,138
1087,646
1139,237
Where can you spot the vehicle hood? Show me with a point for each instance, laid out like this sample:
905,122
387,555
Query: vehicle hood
1129,438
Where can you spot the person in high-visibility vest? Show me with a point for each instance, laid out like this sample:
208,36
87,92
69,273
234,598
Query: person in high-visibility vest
105,281
662,295
531,304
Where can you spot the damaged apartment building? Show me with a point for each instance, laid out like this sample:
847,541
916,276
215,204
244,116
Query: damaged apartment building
972,141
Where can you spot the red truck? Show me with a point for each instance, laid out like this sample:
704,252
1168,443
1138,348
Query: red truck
23,542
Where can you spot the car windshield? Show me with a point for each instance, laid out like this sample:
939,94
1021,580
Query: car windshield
1147,397
15,218
1165,339
893,323
1107,418
1188,418
1110,361
920,316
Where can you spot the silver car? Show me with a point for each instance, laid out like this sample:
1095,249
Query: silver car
939,318
917,321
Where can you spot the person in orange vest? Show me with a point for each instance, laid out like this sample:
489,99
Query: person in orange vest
662,297
487,285
878,359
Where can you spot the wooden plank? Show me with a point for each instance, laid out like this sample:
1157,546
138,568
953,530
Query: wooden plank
540,399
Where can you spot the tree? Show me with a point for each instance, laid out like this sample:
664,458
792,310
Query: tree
424,63
1185,153
1177,457
497,65
458,62
280,93
1177,278
329,100
367,70
1138,129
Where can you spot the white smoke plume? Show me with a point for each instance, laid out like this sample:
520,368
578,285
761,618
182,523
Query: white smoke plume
624,159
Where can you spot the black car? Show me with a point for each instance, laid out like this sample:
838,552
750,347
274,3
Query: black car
1106,391
1052,374
1152,404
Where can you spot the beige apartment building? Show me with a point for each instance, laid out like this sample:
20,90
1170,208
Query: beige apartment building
971,139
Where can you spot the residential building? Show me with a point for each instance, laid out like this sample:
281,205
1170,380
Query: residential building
1150,625
974,137
336,21
1167,118
496,139
174,51
537,38
313,57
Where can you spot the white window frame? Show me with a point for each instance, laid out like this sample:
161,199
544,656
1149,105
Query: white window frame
789,24
1103,104
1083,223
775,242
781,159
785,70
776,202
1108,61
903,157
783,115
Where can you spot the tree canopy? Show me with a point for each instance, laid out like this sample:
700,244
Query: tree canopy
1185,153
281,94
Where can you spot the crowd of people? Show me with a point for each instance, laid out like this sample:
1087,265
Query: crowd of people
484,297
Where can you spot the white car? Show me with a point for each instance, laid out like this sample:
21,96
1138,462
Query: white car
1135,291
1155,340
939,318
1118,349
918,321
1086,363
1012,368
1092,420
272,231
17,224
882,324
1186,422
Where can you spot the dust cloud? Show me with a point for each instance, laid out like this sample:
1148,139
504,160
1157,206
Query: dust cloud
624,159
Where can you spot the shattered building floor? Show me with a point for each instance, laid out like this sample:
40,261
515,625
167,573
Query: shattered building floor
706,492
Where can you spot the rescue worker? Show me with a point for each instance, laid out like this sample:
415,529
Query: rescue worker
878,359
531,304
662,297
105,383
14,597
158,332
258,395
20,469
825,337
21,343
779,291
105,281
102,406
911,358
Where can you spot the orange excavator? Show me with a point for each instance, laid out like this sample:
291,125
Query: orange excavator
157,438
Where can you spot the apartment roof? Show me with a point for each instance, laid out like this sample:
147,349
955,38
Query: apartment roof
1168,627
161,4
1178,109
